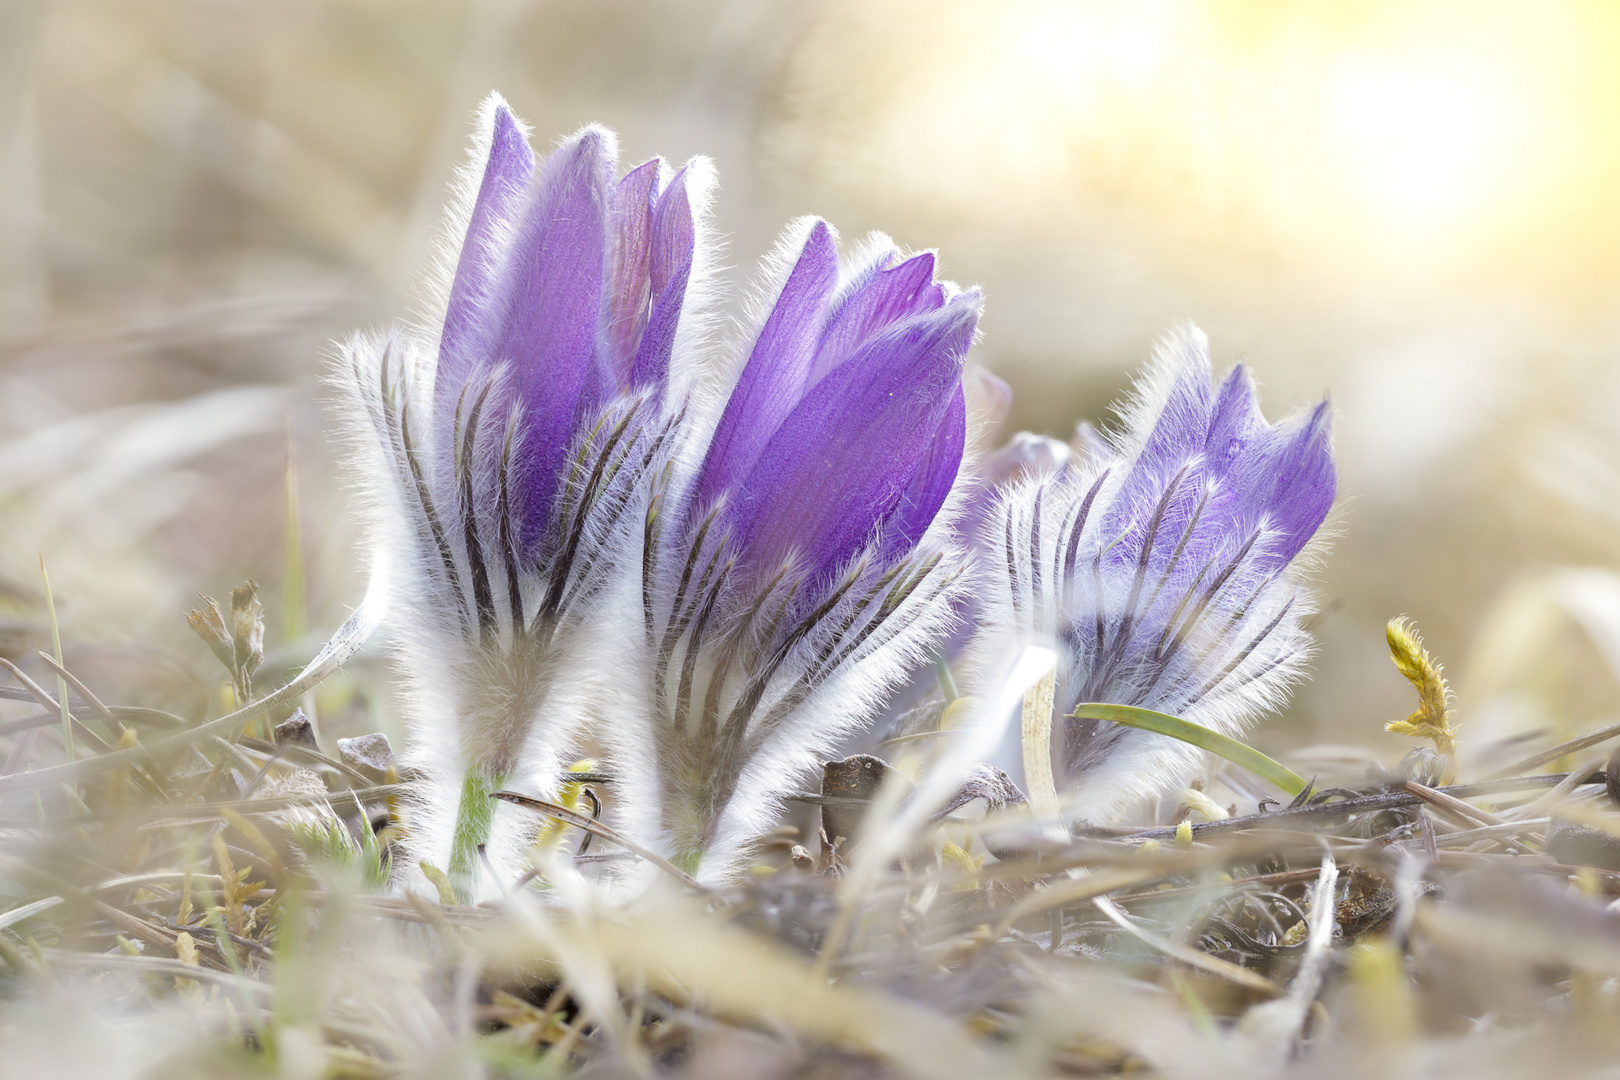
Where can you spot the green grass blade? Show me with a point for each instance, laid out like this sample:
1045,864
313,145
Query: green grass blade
1195,735
56,649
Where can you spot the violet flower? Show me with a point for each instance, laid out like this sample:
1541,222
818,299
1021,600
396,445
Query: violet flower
509,452
1163,566
796,572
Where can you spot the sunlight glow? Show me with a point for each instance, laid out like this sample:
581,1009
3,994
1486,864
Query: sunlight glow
1421,135
1075,44
1420,142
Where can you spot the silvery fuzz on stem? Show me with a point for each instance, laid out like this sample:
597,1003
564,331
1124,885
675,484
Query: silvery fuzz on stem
586,534
1163,565
505,448
804,565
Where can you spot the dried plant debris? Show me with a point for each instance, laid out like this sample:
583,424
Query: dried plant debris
238,643
247,910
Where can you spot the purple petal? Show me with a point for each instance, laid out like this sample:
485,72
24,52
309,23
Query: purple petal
1025,454
931,483
1183,423
627,298
776,375
1235,420
854,280
1149,512
555,300
1282,481
1234,468
886,297
848,453
476,297
989,400
1304,486
674,241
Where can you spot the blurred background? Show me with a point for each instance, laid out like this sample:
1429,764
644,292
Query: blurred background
1407,205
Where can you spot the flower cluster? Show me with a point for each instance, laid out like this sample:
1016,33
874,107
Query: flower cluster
584,541
572,535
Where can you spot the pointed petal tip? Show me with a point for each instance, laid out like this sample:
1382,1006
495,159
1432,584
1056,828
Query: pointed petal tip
804,242
654,165
819,249
593,143
1312,425
509,146
1239,375
1185,349
920,260
971,298
676,188
497,110
701,178
965,307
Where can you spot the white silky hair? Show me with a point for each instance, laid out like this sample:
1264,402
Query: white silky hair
1221,672
500,701
661,798
479,690
506,704
659,755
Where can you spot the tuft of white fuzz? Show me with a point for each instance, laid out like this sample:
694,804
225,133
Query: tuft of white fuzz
1198,624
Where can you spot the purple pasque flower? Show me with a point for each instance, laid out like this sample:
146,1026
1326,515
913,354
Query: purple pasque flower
1164,566
796,571
508,451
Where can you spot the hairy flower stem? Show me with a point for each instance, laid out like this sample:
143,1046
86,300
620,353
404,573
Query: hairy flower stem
474,816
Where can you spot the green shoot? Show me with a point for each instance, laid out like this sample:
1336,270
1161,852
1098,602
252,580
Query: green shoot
56,650
1196,735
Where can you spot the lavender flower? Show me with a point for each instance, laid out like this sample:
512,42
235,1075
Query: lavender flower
798,569
1163,565
511,453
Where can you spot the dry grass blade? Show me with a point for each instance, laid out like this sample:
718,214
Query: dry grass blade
84,692
1582,773
27,911
101,745
1450,804
1278,1025
1323,813
51,704
210,811
344,644
1553,753
1062,893
1191,957
596,828
158,965
1491,832
688,957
